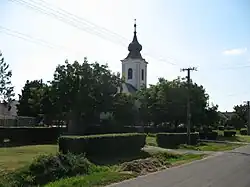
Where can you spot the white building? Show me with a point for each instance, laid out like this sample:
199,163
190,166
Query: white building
134,67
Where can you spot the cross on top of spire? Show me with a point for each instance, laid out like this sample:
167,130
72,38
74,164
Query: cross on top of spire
135,26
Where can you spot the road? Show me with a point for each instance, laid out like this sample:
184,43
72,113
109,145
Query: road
228,169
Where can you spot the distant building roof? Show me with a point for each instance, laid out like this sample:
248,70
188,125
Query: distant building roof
128,88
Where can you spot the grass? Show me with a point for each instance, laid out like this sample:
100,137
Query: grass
127,170
95,179
151,141
12,158
211,146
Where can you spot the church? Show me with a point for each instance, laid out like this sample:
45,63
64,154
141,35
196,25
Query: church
134,67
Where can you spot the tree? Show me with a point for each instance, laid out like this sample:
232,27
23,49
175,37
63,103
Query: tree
30,99
82,92
166,102
124,110
6,88
241,111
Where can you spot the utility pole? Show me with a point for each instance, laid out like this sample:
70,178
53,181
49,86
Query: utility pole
188,101
248,117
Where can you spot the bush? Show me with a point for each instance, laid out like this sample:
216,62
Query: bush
30,135
100,145
221,128
243,131
208,135
48,168
229,133
172,140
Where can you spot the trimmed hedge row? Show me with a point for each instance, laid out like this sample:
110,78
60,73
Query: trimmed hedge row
208,135
243,131
229,133
100,145
30,135
172,140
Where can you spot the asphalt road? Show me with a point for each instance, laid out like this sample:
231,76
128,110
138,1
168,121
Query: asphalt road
228,169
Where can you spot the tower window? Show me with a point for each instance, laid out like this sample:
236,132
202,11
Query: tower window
142,74
130,73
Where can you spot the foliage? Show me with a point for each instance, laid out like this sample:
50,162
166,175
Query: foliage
6,89
229,133
165,103
243,131
101,145
212,135
173,140
83,91
124,110
95,179
30,135
47,168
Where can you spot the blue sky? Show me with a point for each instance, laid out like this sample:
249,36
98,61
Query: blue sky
211,35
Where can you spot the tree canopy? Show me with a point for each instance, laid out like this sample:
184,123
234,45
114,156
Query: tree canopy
6,88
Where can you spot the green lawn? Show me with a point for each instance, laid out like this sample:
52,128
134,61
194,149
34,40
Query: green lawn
12,158
237,138
211,146
95,179
119,169
151,141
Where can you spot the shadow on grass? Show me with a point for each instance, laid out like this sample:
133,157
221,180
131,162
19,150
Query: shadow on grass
232,138
118,159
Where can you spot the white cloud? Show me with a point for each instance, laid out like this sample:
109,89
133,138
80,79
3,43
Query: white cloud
238,51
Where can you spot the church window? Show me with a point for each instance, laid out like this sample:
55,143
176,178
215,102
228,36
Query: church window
142,74
130,73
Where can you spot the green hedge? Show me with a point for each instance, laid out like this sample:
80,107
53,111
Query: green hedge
208,135
106,144
30,135
172,140
229,133
243,131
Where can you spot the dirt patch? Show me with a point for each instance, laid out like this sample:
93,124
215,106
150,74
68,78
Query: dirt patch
143,166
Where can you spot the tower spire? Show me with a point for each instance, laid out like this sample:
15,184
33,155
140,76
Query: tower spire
135,26
134,47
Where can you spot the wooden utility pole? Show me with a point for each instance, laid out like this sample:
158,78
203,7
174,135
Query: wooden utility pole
188,101
248,117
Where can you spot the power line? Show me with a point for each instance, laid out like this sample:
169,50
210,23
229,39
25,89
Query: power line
61,16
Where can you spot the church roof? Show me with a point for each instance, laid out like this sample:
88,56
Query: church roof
134,47
128,88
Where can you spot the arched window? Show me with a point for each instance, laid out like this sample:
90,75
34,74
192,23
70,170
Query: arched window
130,73
142,74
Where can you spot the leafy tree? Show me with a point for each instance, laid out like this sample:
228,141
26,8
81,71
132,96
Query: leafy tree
165,102
241,111
30,98
6,89
124,110
82,92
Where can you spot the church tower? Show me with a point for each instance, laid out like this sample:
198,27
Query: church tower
134,67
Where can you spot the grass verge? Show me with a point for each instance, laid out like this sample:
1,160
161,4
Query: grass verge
95,179
211,146
12,158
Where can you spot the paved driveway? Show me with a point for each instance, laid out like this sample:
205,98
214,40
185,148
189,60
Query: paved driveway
228,169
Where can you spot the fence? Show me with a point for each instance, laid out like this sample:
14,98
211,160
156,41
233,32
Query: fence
17,121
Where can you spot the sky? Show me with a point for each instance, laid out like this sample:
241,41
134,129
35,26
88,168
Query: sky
213,36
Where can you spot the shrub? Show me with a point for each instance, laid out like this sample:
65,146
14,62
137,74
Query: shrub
208,135
221,128
30,135
48,168
229,133
243,131
172,140
100,145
